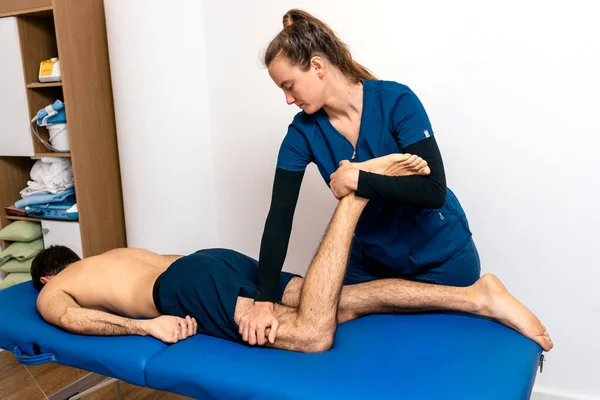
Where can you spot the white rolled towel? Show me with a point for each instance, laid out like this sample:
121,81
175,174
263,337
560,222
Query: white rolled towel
49,175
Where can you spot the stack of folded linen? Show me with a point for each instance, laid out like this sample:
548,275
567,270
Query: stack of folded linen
61,205
15,261
50,192
49,175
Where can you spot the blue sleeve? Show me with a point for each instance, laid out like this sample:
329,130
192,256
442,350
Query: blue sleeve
409,119
294,153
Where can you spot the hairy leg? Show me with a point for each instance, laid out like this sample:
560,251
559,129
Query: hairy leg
487,297
311,326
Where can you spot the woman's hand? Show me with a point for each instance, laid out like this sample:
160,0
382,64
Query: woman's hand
344,180
259,324
397,164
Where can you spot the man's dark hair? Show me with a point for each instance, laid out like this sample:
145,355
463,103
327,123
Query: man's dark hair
50,262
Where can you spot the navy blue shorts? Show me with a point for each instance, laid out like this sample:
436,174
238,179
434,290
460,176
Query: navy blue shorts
462,269
206,284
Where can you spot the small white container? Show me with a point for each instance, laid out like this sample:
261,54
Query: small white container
59,136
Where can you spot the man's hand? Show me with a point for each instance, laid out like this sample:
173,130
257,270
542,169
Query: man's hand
344,180
170,329
255,322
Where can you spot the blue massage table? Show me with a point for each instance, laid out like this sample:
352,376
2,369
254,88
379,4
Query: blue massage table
420,356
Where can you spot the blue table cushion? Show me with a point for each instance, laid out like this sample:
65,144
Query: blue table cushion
417,356
421,356
123,357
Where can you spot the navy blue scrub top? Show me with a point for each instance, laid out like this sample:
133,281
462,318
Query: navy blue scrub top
405,238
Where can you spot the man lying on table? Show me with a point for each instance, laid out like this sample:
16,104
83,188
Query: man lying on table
138,292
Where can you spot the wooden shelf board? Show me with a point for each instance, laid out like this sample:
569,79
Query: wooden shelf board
52,155
36,85
44,12
16,218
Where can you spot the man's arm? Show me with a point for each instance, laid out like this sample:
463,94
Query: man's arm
60,309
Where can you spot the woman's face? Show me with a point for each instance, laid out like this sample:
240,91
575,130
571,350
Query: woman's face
303,88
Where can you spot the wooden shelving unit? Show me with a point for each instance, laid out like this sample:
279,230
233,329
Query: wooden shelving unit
75,32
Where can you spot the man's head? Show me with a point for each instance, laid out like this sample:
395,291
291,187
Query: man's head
49,262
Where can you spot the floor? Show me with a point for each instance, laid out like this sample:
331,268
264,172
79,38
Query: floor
17,384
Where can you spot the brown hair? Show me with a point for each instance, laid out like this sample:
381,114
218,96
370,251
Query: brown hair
304,36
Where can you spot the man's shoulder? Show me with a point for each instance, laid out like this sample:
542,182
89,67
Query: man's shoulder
47,297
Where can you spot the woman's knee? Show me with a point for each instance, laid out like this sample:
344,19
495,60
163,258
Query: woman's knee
462,269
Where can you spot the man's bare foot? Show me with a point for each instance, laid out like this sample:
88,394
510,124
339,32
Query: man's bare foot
395,165
499,304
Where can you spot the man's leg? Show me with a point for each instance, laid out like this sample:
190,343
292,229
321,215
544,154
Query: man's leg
487,297
311,326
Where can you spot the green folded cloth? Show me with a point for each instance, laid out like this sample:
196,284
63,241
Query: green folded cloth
15,265
23,250
21,231
14,279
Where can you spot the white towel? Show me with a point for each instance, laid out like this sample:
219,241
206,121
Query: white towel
49,175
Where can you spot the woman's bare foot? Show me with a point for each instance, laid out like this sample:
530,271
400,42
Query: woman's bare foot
499,304
395,165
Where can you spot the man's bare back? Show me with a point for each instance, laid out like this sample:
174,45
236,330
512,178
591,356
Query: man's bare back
119,281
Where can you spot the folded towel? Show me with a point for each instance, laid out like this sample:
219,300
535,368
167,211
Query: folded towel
44,198
49,175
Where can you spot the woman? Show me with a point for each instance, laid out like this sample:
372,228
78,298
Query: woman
414,227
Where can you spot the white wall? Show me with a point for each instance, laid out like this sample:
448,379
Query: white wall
158,68
512,91
249,119
536,395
